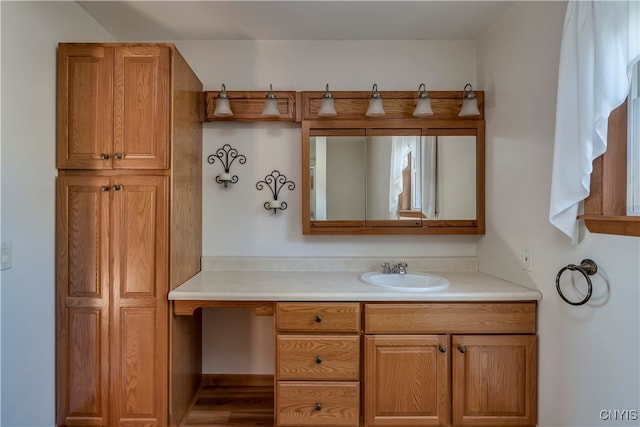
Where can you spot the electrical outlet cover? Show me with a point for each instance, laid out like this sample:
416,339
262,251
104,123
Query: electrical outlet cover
527,259
5,256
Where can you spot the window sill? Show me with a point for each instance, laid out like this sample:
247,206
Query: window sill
621,225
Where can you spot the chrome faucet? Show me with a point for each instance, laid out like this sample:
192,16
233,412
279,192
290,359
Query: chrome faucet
399,268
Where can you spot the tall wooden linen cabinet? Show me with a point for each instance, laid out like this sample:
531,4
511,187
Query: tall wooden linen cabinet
128,230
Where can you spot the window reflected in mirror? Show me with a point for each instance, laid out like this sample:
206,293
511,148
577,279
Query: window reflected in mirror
394,180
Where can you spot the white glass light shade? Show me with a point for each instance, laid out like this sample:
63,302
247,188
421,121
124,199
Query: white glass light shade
469,102
271,105
271,108
223,109
423,107
469,107
375,103
327,108
375,108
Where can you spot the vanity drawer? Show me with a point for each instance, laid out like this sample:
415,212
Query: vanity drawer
321,317
439,318
317,403
318,357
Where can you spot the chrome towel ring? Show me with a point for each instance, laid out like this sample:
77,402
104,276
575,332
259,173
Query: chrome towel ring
588,268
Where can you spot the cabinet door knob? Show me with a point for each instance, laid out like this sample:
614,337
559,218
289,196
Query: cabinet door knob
118,156
462,349
318,318
104,156
318,360
318,406
442,349
117,187
104,188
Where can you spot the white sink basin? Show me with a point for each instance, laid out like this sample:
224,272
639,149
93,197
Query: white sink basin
406,282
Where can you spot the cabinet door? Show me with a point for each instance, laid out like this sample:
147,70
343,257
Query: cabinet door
406,379
85,106
82,300
141,107
139,305
494,380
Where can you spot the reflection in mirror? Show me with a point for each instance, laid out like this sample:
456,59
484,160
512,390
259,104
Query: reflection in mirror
337,178
394,183
407,179
456,177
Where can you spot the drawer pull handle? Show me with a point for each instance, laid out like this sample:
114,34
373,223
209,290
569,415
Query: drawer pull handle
104,188
318,406
118,156
104,156
318,318
462,349
117,187
442,349
318,360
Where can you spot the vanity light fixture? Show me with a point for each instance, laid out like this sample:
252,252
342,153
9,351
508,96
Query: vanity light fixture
275,181
376,109
327,109
271,104
423,106
469,102
223,109
226,154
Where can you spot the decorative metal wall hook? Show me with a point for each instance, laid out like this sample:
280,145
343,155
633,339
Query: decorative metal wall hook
275,181
226,154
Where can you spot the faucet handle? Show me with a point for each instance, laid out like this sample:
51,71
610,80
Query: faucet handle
386,268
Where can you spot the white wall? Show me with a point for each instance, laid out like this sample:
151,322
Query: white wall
588,355
30,33
235,222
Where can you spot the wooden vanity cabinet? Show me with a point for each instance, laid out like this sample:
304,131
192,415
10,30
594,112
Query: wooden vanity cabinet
486,376
128,230
317,364
494,380
406,379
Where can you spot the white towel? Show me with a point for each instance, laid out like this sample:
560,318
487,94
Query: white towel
600,44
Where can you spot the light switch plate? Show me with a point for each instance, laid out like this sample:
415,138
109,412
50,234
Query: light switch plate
5,255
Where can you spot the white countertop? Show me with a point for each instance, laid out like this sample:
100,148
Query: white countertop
339,286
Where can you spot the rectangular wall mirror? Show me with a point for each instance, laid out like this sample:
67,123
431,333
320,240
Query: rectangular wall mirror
392,178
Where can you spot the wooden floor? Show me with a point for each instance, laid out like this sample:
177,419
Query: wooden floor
228,405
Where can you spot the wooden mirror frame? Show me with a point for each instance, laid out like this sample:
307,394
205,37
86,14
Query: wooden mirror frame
399,107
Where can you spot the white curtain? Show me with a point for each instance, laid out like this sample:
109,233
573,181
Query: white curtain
400,147
600,44
429,182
